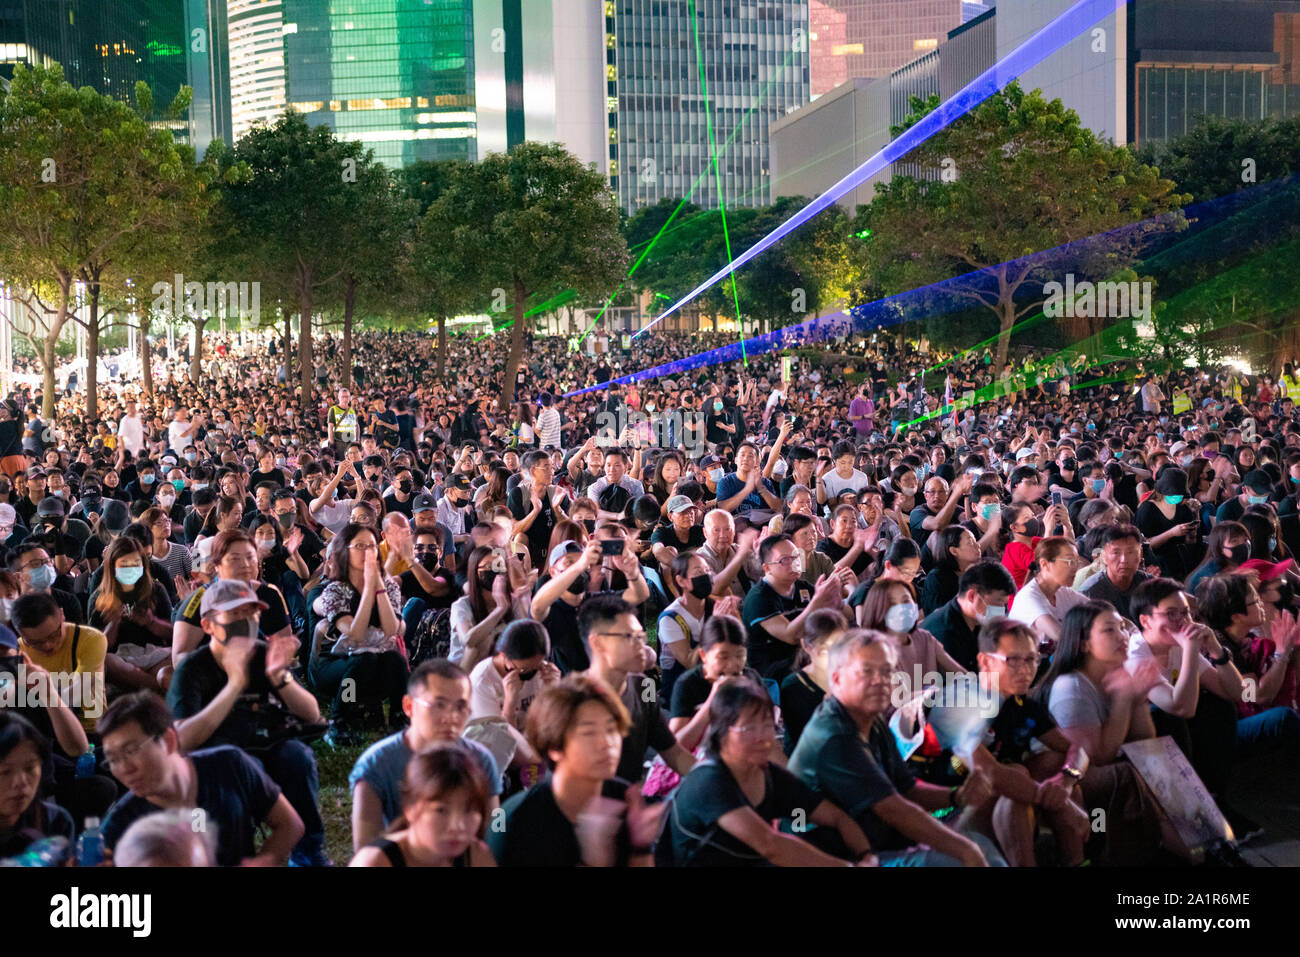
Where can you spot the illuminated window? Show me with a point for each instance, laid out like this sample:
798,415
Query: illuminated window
925,44
611,73
611,103
308,107
845,49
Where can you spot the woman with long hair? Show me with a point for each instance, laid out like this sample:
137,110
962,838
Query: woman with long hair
493,493
24,816
496,593
358,656
1227,547
668,472
957,550
134,613
445,811
890,608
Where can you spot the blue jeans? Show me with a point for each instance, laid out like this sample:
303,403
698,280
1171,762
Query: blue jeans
928,857
1269,732
412,612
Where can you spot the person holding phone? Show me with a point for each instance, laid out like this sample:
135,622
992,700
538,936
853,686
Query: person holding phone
1171,526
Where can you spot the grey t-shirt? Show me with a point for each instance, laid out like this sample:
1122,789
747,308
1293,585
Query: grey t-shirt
383,766
1076,702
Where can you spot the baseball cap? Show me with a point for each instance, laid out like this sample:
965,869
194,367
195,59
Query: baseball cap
36,472
1258,481
1023,453
114,514
50,507
423,503
225,594
679,503
7,638
459,481
566,547
167,459
1266,570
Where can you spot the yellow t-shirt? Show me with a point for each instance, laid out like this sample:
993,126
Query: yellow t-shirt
88,693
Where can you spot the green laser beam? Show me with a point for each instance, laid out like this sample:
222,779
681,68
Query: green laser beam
717,173
664,229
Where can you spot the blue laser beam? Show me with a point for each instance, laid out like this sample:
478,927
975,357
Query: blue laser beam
1034,50
942,297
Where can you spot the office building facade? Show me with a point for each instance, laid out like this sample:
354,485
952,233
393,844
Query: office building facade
754,56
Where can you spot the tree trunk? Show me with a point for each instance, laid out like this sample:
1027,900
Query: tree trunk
442,346
349,300
92,354
306,370
146,357
1006,319
48,359
288,344
196,359
516,349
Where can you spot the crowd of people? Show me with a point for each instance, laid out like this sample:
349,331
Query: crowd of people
682,621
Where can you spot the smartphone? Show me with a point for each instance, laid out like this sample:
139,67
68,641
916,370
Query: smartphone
1056,498
611,546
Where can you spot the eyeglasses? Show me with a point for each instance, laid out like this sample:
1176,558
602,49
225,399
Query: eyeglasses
363,547
128,752
788,560
1174,614
635,637
1028,662
755,731
442,706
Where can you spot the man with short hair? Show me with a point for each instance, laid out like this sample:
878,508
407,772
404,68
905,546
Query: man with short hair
63,648
848,755
233,691
1121,550
609,627
223,787
776,608
983,592
437,703
36,574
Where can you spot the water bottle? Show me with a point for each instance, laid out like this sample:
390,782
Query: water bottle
47,852
90,846
86,763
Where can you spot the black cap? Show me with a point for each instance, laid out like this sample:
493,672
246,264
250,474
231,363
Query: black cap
459,481
1258,481
1172,481
50,507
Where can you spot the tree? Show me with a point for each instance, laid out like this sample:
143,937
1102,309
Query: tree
1219,156
82,178
289,213
435,284
531,221
1016,176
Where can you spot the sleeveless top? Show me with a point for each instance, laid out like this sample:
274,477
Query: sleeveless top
393,851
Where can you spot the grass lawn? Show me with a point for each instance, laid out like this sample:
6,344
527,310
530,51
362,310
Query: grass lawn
335,798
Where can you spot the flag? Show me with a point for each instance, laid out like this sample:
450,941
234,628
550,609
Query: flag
947,398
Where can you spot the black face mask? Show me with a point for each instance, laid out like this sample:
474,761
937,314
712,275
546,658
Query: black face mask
430,561
244,628
526,676
485,581
1034,527
579,585
1239,553
1069,465
404,487
702,586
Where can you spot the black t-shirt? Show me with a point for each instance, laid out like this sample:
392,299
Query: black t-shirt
568,651
800,696
233,791
539,533
948,625
537,834
649,728
667,535
274,618
411,588
772,656
692,689
199,678
128,632
393,504
1019,721
275,476
836,551
708,793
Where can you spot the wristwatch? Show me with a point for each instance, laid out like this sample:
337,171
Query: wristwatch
1223,659
1074,773
288,677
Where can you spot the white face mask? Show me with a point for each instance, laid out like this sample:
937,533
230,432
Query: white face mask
902,618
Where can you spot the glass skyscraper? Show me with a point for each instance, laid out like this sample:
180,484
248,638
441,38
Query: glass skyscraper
756,69
395,75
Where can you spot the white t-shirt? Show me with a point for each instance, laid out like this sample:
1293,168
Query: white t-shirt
174,432
461,624
131,431
1139,651
1030,603
335,515
670,632
548,427
488,693
836,485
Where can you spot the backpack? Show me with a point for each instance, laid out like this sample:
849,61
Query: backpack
432,637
